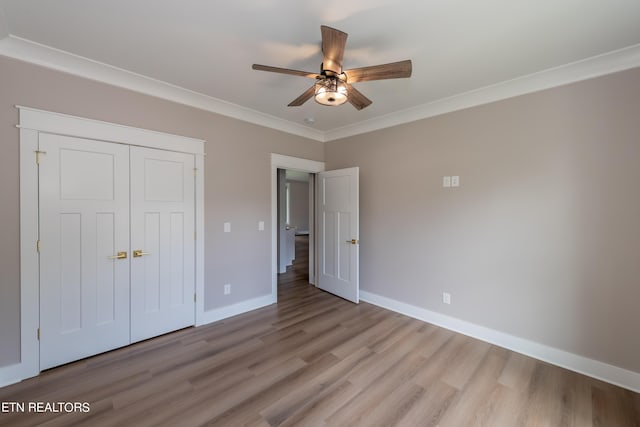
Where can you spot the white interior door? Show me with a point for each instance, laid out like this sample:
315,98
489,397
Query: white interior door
338,233
84,224
162,242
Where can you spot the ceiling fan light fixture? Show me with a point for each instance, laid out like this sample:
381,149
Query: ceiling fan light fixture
330,91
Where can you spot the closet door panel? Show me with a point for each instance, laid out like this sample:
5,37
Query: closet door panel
84,223
162,241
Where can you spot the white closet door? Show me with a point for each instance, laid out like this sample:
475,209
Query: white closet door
162,242
84,223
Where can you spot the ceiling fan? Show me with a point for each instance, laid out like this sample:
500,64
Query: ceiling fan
333,84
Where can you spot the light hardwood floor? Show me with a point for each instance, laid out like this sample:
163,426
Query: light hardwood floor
317,360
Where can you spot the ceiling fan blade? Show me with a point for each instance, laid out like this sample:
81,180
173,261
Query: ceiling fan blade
285,71
307,95
333,43
394,70
356,98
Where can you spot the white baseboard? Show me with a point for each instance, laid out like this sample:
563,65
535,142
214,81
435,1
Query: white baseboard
235,309
12,374
590,367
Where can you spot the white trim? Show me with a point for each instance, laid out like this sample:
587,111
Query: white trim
32,122
64,124
596,66
12,374
312,229
200,313
29,364
590,367
29,259
279,161
236,309
46,56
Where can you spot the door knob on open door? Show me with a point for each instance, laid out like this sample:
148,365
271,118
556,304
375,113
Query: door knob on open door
353,241
120,255
138,253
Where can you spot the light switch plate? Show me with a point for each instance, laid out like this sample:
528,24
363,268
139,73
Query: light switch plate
260,225
227,227
446,297
446,181
455,181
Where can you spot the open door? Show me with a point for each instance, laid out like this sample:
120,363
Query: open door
338,233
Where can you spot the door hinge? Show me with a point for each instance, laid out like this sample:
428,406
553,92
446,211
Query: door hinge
195,171
38,154
38,333
195,235
194,297
38,246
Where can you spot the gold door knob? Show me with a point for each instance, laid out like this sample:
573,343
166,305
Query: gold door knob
138,253
353,241
120,255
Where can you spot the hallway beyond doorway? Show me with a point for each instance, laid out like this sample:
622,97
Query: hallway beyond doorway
298,272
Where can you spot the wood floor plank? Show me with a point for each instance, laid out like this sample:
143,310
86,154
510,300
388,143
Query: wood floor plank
144,405
545,397
259,398
609,407
581,411
376,388
317,360
430,407
469,406
313,413
468,359
517,372
439,361
306,394
365,337
393,407
209,404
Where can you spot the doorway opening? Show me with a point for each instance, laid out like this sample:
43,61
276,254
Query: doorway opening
295,227
280,163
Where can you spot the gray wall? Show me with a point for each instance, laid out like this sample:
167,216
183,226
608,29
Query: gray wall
299,208
542,239
241,257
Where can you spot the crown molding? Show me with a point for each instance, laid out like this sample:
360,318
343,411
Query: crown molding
611,62
46,56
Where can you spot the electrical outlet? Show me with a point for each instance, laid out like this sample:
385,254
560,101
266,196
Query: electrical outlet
227,289
446,297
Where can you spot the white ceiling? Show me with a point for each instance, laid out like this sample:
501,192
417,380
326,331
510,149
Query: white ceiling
463,51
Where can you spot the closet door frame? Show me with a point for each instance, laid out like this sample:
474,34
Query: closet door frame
33,122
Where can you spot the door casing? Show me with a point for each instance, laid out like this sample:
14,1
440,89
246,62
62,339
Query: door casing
279,161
